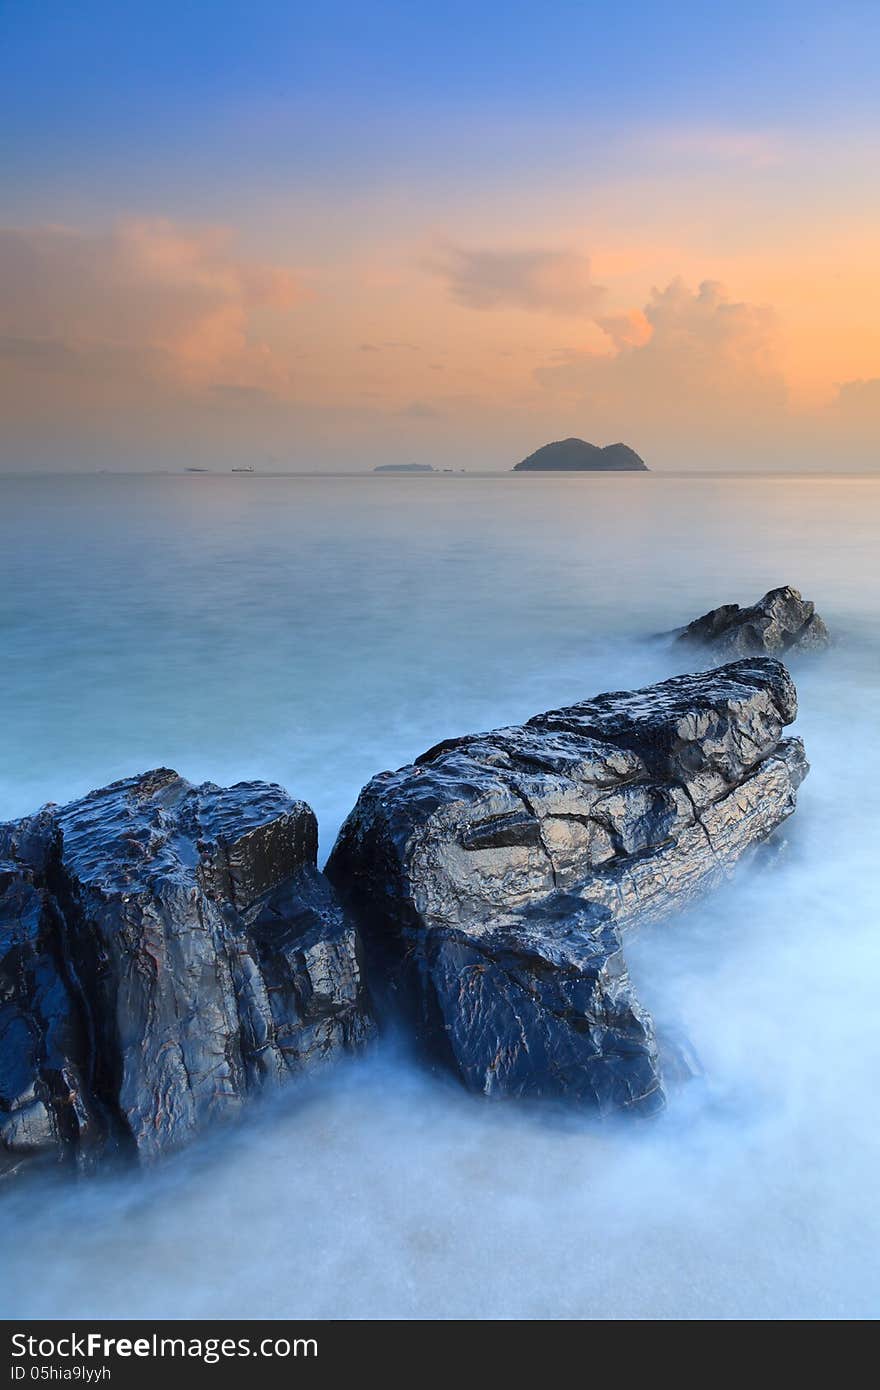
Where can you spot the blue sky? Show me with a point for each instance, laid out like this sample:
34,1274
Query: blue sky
285,89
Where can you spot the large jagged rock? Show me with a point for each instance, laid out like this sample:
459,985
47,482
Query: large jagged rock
165,951
492,878
782,621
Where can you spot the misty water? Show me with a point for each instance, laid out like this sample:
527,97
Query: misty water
315,631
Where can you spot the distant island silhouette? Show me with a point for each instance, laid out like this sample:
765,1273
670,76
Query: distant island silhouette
403,468
577,456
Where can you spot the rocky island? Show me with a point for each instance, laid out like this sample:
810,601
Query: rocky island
404,468
577,456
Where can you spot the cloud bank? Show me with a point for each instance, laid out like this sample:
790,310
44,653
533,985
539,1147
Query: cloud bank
152,344
148,297
690,359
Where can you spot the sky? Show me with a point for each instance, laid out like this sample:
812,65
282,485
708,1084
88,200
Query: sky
336,235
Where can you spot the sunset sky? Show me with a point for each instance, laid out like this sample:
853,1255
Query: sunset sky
334,235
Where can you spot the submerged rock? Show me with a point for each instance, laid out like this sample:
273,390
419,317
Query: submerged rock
165,951
782,621
492,878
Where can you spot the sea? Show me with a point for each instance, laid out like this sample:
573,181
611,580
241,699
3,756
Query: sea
314,630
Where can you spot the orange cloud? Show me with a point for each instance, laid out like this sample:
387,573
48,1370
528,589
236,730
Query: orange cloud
632,329
856,413
706,369
152,297
860,399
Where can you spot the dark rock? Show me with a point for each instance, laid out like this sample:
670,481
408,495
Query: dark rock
492,878
165,951
782,621
577,456
540,1003
46,1105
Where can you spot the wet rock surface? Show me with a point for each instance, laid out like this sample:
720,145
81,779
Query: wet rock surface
782,621
166,951
492,879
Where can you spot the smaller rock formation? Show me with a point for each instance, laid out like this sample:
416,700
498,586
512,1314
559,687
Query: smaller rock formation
577,456
782,621
166,951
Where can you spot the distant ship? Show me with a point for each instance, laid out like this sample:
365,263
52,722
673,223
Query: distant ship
198,470
246,468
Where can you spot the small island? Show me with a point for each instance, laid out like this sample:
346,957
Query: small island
403,468
577,456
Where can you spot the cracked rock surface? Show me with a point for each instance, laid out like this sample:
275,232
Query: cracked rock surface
782,621
492,879
165,951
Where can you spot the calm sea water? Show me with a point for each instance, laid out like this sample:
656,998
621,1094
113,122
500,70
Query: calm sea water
314,631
